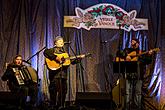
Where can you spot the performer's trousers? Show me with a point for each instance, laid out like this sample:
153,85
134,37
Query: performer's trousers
133,94
58,90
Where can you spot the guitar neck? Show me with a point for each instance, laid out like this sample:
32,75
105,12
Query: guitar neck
74,57
80,56
154,50
142,53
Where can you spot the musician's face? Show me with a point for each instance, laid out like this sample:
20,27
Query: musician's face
134,44
18,61
59,43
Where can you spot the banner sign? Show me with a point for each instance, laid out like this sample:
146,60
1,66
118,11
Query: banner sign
105,16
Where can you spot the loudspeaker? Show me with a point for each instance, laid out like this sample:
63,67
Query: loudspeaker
95,100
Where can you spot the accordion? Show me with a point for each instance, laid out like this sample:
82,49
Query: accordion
25,75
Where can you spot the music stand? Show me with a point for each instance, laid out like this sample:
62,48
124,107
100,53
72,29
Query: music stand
130,71
125,67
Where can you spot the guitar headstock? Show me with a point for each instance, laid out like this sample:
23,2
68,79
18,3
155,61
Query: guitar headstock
156,49
84,55
88,55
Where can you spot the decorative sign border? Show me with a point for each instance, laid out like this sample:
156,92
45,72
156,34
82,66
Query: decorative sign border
105,16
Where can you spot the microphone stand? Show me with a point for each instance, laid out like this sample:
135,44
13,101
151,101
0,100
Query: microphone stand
108,86
69,75
119,49
81,67
37,53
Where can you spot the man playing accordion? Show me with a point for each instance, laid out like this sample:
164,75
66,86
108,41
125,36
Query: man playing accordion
20,82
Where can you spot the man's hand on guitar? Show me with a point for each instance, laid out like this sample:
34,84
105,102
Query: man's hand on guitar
128,58
132,56
60,60
150,52
75,61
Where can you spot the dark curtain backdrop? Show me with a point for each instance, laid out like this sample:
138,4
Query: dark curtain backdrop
27,26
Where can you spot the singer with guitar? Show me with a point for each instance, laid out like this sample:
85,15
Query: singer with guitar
58,61
134,53
134,80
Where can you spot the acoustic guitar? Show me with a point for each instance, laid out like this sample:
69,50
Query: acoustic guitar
134,56
54,65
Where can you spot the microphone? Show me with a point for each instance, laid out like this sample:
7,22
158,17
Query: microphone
26,62
68,42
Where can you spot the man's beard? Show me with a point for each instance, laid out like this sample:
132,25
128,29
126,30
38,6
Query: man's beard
134,45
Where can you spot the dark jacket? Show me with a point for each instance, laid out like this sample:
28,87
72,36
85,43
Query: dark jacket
9,76
62,72
50,54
